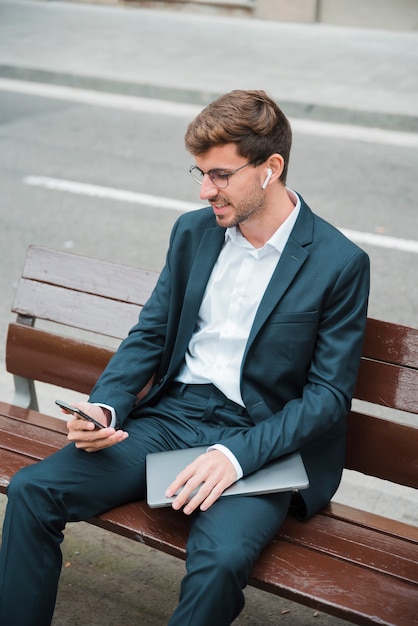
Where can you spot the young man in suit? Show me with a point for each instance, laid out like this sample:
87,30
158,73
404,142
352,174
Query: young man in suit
253,337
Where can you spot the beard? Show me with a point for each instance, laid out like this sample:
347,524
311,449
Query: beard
247,209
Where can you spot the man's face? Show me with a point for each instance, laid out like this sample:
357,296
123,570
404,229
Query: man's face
243,199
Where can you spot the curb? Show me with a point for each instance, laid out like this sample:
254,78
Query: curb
301,110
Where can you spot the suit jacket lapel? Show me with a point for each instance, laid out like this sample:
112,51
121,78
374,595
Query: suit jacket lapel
204,260
292,259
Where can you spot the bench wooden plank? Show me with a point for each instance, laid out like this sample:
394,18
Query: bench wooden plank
158,528
25,438
343,589
22,437
367,547
79,273
85,311
38,355
16,413
36,450
10,463
393,343
382,448
388,385
365,519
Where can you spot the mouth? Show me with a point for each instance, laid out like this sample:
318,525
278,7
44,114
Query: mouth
219,207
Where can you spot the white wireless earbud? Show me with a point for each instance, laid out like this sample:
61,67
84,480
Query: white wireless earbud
269,175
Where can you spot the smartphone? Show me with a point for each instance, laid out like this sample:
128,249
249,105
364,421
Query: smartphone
84,416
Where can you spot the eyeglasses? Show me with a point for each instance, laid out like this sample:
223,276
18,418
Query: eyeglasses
219,177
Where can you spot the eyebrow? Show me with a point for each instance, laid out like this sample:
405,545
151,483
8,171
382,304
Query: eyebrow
216,169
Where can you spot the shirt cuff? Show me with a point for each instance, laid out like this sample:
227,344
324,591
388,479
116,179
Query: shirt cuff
231,457
113,418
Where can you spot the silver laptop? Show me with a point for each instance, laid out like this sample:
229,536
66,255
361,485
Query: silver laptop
285,474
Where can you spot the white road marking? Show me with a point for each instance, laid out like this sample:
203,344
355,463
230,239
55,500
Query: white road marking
100,98
122,195
356,133
178,109
110,193
381,241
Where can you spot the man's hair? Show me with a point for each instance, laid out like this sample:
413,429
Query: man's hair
249,119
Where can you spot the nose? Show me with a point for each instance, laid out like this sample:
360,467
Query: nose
208,189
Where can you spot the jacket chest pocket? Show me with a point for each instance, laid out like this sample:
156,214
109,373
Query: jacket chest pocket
291,336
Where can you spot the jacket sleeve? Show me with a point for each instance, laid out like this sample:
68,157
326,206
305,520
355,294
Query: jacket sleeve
138,356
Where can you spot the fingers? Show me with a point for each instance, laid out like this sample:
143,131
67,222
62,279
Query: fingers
86,436
207,494
210,474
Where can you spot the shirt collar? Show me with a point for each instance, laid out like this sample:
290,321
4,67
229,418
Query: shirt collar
279,239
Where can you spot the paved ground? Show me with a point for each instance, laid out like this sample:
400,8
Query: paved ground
314,70
349,76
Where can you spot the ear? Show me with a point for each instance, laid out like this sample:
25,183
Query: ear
276,163
272,169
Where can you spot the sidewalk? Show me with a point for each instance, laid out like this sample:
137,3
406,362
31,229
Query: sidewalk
316,71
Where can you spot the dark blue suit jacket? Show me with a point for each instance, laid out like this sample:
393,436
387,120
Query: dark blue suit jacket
301,360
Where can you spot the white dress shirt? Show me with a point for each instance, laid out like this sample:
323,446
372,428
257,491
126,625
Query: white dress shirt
234,291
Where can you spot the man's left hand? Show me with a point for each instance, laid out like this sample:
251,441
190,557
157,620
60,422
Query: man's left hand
211,472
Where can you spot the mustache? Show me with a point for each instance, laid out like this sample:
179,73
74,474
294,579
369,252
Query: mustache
218,198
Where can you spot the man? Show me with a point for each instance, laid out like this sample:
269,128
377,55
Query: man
253,337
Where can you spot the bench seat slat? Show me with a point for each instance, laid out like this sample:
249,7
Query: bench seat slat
365,519
79,273
159,528
14,432
343,589
36,450
33,418
389,555
10,463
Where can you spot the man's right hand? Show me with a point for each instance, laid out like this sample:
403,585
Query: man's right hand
86,437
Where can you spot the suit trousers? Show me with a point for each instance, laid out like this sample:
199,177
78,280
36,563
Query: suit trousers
72,485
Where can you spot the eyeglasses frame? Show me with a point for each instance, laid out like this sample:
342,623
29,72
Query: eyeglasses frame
218,169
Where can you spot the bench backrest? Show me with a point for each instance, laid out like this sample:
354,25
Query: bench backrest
93,301
82,296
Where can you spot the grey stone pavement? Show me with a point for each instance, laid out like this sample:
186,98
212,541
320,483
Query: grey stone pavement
317,72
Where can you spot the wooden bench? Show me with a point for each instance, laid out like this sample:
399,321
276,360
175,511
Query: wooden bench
347,562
